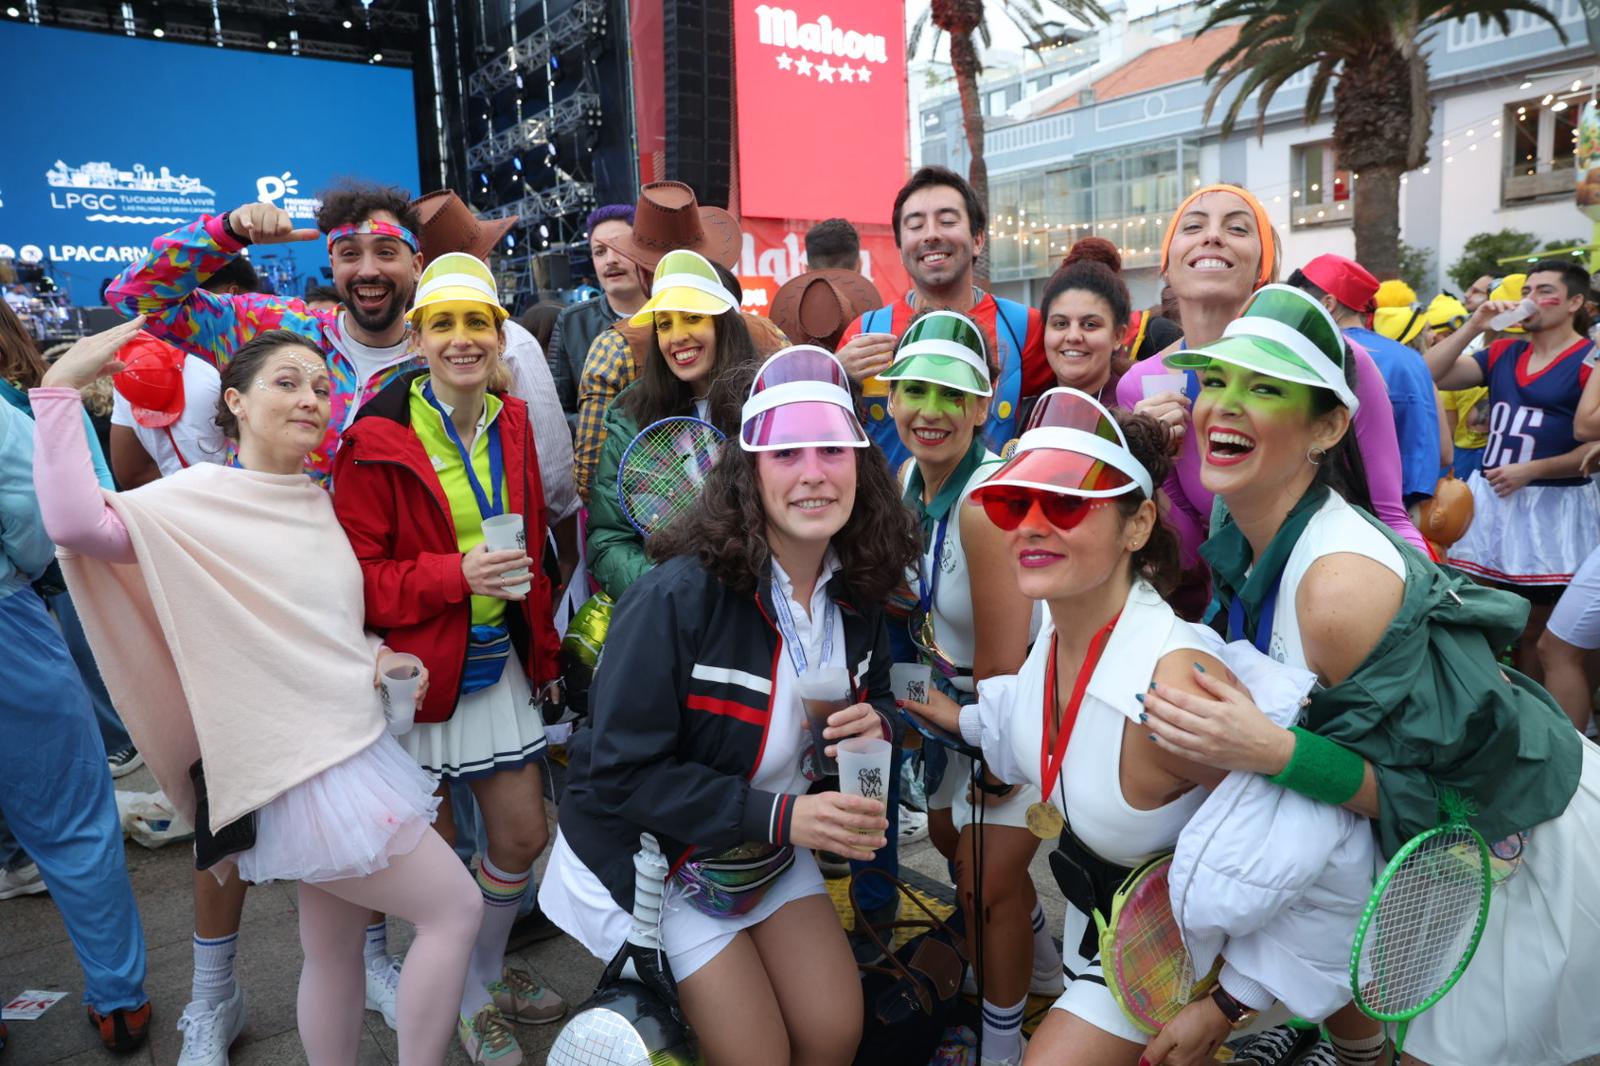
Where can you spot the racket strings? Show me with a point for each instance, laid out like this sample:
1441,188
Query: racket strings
1423,927
663,471
1152,966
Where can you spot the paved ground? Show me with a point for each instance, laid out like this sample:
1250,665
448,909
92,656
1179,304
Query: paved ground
35,954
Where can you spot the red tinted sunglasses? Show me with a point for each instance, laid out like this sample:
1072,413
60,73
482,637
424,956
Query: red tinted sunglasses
1008,505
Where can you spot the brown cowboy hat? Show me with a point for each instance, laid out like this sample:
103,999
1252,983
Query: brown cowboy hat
815,307
448,225
669,217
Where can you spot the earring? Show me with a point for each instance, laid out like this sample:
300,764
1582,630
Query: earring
1315,455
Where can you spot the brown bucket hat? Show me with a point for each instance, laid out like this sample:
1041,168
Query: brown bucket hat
448,225
815,307
668,217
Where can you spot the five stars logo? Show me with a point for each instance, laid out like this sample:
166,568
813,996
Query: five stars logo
783,29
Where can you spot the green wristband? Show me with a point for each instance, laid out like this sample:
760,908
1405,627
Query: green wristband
1321,769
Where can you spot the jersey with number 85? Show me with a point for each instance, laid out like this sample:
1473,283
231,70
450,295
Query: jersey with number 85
1530,415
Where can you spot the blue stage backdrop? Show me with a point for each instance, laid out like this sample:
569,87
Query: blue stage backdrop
113,140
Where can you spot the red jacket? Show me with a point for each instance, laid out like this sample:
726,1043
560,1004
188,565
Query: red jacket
397,517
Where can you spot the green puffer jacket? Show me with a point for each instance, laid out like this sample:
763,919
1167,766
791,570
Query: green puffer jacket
1431,708
616,550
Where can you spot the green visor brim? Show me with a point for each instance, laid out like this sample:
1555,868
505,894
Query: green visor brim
1258,354
944,370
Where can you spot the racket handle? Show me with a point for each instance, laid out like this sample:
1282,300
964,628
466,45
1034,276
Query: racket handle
1400,1039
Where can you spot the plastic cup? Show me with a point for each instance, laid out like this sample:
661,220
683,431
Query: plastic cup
504,533
910,681
1507,319
1156,384
398,688
864,768
821,693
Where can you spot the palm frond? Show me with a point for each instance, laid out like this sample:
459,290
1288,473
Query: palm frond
1274,63
1498,12
914,37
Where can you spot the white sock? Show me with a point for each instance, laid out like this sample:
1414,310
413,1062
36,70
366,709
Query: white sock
1046,956
1002,1031
1360,1051
213,968
376,952
502,893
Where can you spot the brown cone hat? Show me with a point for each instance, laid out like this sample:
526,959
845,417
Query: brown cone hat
448,225
816,307
668,217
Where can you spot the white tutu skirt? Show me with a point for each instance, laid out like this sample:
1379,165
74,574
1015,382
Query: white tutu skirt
1539,535
572,897
496,728
347,821
1528,996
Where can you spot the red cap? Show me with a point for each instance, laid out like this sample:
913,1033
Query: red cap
1345,280
151,380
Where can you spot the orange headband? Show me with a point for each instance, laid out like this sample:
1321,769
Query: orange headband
1263,228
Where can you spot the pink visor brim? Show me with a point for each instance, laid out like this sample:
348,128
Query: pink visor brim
804,424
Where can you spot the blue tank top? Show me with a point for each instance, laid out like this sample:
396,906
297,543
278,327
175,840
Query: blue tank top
1530,416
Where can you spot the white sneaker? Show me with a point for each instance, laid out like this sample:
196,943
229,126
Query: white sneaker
209,1031
383,984
913,825
22,881
124,762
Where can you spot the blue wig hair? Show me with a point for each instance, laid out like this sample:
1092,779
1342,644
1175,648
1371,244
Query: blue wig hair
609,213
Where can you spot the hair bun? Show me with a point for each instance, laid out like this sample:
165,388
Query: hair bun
1094,250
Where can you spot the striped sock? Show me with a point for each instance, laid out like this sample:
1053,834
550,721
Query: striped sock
213,968
1002,1031
1046,956
1360,1051
376,951
502,893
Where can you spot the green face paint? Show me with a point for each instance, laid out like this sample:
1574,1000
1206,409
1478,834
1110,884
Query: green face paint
1263,396
930,399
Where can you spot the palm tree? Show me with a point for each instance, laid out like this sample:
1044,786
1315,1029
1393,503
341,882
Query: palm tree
961,19
1371,52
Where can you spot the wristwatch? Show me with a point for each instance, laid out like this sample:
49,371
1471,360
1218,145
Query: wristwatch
227,227
1237,1013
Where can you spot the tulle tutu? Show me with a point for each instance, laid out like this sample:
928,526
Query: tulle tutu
1539,535
347,821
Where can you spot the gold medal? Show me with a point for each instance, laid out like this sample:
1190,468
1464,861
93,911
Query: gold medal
1045,821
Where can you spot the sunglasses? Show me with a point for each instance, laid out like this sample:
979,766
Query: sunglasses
1008,505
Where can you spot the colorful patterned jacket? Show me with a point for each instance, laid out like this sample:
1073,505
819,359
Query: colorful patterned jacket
165,288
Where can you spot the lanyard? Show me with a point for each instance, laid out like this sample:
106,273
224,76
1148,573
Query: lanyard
791,638
927,588
486,508
1263,635
1050,761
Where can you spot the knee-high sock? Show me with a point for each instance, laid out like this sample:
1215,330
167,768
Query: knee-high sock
432,890
1046,956
213,968
502,893
1360,1051
1002,1031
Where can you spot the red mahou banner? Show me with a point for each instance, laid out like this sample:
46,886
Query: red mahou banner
821,90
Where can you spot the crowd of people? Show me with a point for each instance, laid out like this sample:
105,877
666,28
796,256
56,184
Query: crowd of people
1148,556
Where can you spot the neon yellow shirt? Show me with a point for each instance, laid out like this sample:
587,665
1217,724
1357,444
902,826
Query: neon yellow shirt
428,424
1462,401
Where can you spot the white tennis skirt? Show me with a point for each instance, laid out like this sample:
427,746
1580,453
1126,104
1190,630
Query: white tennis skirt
955,792
1527,998
348,821
496,728
1539,535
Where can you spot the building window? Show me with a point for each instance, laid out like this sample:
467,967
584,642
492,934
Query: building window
997,102
1324,191
1539,148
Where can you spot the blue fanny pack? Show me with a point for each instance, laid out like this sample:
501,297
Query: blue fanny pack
488,647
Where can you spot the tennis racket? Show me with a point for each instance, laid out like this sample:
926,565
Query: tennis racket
1421,925
1146,966
662,470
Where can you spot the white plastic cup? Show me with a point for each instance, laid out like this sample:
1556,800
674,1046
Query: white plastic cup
504,533
910,681
821,693
864,767
398,688
1156,384
1507,319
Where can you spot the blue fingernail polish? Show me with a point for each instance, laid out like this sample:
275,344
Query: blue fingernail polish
1143,717
1139,696
1152,736
1200,668
1152,687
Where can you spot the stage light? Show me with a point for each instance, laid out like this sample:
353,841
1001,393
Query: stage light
377,57
158,32
348,24
272,44
12,12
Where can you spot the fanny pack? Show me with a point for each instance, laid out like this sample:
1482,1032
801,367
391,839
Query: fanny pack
1088,882
488,647
732,882
211,848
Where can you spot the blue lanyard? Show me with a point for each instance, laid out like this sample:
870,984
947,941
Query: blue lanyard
926,588
486,508
1269,608
791,638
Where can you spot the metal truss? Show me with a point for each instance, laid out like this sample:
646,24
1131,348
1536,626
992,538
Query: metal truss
535,131
559,200
585,19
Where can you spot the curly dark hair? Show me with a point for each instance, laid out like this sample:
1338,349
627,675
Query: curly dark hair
242,369
1157,561
726,528
351,200
660,394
